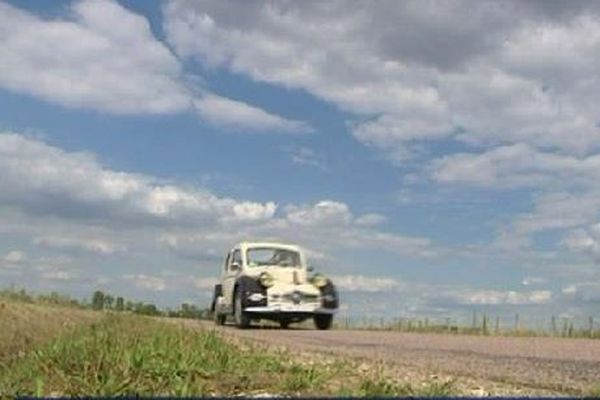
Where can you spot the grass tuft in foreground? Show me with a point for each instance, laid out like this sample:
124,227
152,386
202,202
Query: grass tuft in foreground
126,355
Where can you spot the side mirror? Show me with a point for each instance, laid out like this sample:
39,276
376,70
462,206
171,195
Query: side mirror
310,268
235,267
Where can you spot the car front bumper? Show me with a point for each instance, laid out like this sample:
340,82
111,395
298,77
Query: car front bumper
290,308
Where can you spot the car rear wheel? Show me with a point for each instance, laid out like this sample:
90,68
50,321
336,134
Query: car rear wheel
242,319
323,321
284,323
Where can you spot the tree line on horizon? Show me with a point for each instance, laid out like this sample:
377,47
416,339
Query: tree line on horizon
101,301
105,301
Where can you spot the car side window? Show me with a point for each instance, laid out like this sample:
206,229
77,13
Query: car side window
237,257
226,265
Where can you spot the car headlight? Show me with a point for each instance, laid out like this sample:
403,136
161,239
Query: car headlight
329,297
319,280
266,279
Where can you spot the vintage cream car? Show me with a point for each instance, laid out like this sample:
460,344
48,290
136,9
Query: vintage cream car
272,281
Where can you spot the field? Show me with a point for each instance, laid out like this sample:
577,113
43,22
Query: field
56,350
53,346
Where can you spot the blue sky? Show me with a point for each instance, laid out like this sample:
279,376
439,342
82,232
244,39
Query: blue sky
445,162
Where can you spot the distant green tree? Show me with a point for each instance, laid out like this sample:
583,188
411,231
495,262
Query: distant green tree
109,301
129,306
120,305
98,300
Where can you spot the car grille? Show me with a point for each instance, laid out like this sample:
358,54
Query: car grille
300,297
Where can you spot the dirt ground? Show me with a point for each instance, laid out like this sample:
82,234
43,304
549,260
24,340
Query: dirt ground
480,365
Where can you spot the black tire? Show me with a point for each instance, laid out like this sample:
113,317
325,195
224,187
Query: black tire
219,318
284,323
323,321
242,319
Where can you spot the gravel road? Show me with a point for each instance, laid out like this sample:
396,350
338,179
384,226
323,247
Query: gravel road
530,364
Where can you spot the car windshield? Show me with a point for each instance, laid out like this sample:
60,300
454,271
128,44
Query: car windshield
264,256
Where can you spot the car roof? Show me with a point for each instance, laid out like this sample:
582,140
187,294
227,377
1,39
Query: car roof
279,245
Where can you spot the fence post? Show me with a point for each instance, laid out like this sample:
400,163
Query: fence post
497,325
517,323
484,325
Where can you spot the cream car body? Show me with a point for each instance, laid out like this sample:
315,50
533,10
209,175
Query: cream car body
262,280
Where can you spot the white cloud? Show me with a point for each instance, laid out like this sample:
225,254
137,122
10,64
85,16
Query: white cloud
486,296
241,116
324,227
585,241
514,166
49,181
361,283
205,283
370,219
58,275
302,155
15,257
582,293
96,246
323,213
571,289
147,282
533,281
423,72
109,60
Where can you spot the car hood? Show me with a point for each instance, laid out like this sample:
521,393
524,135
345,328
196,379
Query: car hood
292,276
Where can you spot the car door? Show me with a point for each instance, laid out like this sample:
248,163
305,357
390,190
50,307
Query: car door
230,276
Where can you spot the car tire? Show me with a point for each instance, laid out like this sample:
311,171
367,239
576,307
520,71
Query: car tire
242,319
219,318
284,323
323,321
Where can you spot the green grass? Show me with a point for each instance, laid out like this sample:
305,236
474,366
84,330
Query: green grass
129,355
24,326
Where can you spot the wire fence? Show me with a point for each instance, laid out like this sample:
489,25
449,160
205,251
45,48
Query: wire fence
481,324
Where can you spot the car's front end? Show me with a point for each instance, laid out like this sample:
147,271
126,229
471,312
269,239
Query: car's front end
301,299
286,293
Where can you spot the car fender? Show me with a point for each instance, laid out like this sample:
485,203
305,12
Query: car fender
217,292
247,286
329,290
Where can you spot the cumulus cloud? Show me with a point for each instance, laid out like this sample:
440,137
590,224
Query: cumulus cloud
370,219
241,116
582,292
323,213
486,296
424,71
361,283
15,257
147,282
586,241
533,281
205,283
58,275
96,246
49,181
109,60
513,166
302,155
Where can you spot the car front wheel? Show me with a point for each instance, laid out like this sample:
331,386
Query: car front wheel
323,321
242,319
